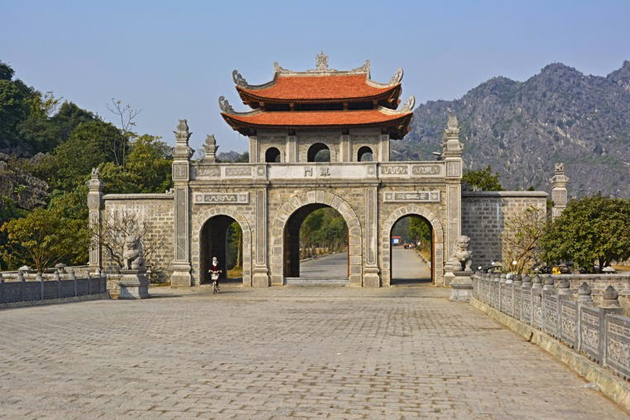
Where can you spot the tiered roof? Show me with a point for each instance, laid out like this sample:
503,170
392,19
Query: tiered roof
320,98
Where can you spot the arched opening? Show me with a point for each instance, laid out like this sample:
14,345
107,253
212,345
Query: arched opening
272,155
222,237
316,246
318,152
365,154
411,251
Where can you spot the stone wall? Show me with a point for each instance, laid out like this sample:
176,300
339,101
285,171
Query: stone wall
484,215
154,210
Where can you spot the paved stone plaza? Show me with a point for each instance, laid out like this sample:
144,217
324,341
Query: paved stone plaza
291,352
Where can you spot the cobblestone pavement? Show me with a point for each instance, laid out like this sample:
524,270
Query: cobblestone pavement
280,353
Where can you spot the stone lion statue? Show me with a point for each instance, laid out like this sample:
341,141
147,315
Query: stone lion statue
462,257
133,257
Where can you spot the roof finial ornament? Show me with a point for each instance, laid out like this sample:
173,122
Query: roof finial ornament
321,62
409,104
397,77
452,122
225,105
238,79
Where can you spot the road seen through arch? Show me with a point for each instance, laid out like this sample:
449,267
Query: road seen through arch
407,266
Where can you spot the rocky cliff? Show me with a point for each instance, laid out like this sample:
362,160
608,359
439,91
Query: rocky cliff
522,128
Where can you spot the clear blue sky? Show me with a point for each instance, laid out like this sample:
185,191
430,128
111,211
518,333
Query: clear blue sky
174,59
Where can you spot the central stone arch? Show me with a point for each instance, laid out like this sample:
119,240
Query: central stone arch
355,256
438,241
198,223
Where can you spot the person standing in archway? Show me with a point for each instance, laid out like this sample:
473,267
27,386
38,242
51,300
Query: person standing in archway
214,275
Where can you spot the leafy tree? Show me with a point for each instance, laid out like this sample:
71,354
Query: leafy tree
43,238
521,239
87,147
151,161
481,180
591,230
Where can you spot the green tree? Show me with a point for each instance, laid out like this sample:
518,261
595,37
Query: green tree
43,238
591,230
151,161
481,180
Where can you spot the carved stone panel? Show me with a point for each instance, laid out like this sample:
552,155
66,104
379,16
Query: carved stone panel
180,171
207,172
239,171
427,170
412,197
221,198
618,344
568,322
590,328
453,169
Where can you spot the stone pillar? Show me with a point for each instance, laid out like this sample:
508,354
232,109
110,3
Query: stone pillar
210,149
345,148
452,155
559,194
253,149
383,152
181,267
371,272
292,149
95,202
260,276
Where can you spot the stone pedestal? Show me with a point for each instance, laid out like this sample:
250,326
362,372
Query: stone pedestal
371,277
461,286
260,277
133,285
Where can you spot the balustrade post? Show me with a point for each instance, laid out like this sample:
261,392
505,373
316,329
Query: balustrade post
526,299
516,290
610,306
537,301
584,299
73,277
20,278
564,288
57,280
2,299
40,279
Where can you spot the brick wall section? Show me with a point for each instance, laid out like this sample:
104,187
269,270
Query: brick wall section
157,211
484,215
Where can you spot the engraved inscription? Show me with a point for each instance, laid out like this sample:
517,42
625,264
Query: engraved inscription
221,198
453,169
308,172
242,171
412,196
324,172
210,172
394,170
180,171
425,169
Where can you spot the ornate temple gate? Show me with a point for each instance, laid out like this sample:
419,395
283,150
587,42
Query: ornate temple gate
294,118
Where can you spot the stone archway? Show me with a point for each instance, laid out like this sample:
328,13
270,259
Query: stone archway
355,240
438,241
197,227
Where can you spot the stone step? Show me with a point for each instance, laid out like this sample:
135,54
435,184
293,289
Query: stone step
311,281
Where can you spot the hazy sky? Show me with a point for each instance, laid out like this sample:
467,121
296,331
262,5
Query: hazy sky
173,60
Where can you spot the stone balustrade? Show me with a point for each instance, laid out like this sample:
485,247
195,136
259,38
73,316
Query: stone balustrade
317,171
601,333
25,288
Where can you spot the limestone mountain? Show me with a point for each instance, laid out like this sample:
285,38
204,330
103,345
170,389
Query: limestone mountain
522,128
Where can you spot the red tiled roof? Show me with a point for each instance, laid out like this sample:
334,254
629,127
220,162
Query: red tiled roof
318,88
298,119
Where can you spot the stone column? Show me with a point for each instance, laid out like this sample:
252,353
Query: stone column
559,194
95,202
253,149
345,148
452,155
292,149
383,150
260,276
181,267
371,272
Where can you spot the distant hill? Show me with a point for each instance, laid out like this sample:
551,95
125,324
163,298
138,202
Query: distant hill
522,128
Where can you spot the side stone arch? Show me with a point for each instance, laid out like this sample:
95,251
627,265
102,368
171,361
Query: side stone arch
200,219
438,241
355,256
